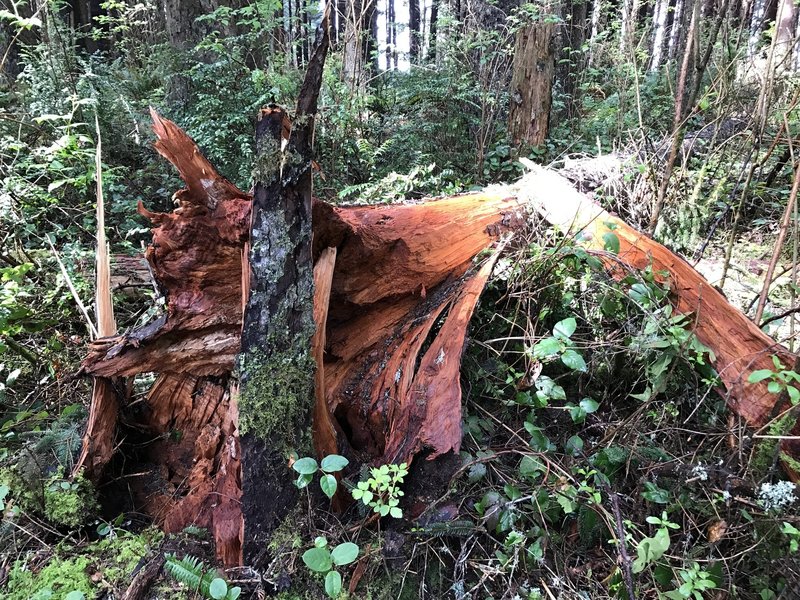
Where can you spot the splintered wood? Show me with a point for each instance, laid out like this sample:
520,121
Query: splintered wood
385,277
395,287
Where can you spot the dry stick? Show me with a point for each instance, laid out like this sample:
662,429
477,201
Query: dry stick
677,122
787,216
75,296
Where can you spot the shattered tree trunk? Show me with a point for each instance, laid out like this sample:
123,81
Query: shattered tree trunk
276,364
396,272
395,288
531,85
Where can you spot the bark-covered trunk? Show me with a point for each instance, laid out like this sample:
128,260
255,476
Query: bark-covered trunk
531,85
784,34
433,28
659,33
757,20
276,364
414,31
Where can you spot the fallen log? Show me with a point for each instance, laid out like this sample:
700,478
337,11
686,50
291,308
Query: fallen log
738,345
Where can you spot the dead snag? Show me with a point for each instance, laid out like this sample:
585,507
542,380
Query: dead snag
276,363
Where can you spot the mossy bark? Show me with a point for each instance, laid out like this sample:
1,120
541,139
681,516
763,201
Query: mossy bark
276,366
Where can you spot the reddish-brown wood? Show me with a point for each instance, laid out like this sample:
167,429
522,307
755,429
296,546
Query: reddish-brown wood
394,272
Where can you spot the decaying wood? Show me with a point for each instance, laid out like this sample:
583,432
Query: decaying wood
739,346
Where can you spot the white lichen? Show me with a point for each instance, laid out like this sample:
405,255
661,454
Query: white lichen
776,496
698,472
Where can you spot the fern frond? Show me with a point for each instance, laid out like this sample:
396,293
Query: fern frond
188,570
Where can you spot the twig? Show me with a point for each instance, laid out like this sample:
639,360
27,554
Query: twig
625,559
75,296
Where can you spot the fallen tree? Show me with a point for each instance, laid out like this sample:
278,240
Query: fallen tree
395,287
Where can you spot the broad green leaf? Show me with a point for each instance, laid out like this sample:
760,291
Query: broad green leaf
530,467
564,329
328,485
760,375
574,445
653,493
611,242
318,559
774,387
75,595
395,513
589,405
794,394
234,593
305,466
333,584
218,589
574,361
547,347
333,463
344,553
303,481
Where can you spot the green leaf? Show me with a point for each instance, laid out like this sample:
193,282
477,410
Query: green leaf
333,463
395,512
318,559
218,589
234,593
574,361
574,445
305,466
565,328
653,493
530,467
328,485
547,347
333,584
774,387
760,375
794,394
303,481
611,242
75,595
344,553
589,405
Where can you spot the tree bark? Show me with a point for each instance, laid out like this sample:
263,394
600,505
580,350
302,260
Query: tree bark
659,33
276,365
360,31
414,31
531,85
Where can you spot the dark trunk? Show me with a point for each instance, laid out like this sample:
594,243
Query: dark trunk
413,31
276,366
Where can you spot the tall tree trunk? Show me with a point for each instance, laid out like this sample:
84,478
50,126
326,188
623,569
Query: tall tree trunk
675,29
784,34
413,31
276,366
360,31
531,85
659,33
433,28
757,20
597,13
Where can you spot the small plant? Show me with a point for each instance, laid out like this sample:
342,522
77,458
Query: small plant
695,582
191,572
651,549
322,560
780,380
794,536
382,491
306,467
560,344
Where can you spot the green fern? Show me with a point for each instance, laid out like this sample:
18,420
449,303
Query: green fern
191,572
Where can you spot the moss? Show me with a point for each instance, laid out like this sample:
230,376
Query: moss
278,393
70,568
287,536
57,579
68,502
766,452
